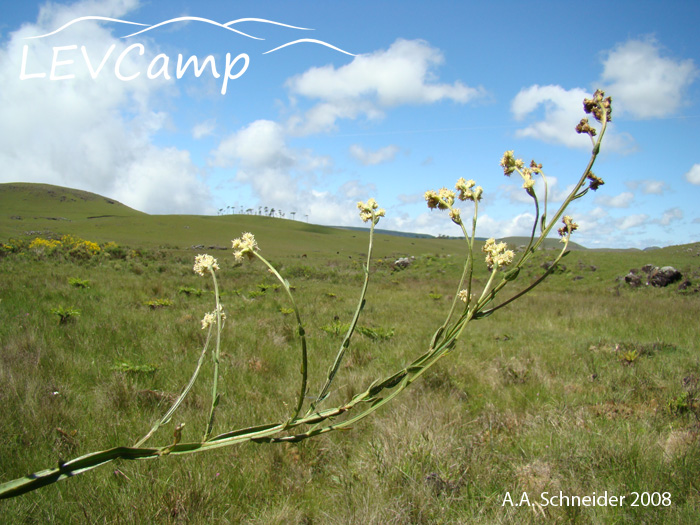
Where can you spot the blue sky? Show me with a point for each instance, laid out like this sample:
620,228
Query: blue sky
434,92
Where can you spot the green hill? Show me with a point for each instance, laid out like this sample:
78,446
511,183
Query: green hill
27,201
42,210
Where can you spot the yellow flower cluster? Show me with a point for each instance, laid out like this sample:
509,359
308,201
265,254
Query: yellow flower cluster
370,211
244,245
44,245
497,255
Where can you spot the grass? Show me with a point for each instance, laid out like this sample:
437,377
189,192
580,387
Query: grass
542,396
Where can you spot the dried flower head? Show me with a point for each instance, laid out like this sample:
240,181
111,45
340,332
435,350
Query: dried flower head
598,106
595,182
244,245
585,127
508,162
455,215
569,226
463,296
431,197
370,211
204,263
497,254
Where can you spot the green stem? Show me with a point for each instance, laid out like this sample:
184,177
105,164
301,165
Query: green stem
345,344
302,335
215,396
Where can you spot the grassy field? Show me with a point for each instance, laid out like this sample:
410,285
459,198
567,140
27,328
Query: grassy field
583,386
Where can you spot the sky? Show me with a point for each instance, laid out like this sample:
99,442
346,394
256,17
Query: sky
306,108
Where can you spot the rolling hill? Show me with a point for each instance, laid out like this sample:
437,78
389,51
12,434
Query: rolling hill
42,210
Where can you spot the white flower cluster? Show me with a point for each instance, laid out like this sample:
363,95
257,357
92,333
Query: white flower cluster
510,164
209,318
497,254
370,211
205,263
244,245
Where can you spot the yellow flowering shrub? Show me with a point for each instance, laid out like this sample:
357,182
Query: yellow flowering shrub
44,246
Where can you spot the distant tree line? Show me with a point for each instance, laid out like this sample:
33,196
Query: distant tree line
262,210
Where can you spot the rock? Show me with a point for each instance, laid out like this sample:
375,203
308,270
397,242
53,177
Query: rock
633,279
402,263
655,276
664,276
685,285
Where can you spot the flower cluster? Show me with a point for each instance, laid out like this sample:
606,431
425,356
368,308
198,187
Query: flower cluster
370,211
585,127
209,318
442,199
595,182
569,226
463,296
205,263
468,191
510,164
497,255
598,105
244,245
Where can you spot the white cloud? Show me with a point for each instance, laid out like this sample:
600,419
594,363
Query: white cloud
671,215
632,221
693,175
648,187
76,132
403,74
284,178
623,200
261,144
516,193
563,109
642,82
370,158
203,129
354,189
410,199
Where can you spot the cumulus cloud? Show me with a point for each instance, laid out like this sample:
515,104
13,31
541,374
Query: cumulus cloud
515,192
648,187
632,221
671,215
693,174
623,200
370,158
371,83
261,144
563,109
646,84
89,133
284,177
